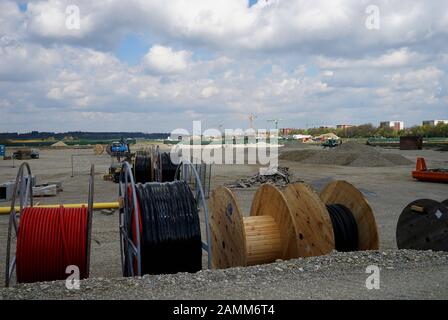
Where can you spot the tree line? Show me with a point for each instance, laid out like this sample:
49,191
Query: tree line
368,130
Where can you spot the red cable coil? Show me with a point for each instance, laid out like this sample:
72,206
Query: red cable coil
49,240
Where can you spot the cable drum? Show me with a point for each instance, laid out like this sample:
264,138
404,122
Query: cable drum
50,239
423,225
171,236
345,228
143,169
168,167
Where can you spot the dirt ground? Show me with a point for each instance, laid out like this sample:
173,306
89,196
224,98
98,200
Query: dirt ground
388,190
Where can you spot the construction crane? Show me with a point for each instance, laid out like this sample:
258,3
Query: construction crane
276,121
252,117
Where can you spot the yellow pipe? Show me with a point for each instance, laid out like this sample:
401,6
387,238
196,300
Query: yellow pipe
96,206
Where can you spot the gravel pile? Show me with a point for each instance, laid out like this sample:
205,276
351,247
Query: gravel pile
404,274
279,177
348,154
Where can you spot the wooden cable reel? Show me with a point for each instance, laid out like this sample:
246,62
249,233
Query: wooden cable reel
313,224
344,193
284,224
98,149
263,237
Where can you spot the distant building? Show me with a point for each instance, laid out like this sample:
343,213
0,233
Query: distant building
286,131
344,126
434,122
396,125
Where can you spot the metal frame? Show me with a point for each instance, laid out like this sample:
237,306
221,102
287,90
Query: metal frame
90,216
186,167
23,188
128,249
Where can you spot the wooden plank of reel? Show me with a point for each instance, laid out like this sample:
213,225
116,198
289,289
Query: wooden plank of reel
262,237
344,193
311,219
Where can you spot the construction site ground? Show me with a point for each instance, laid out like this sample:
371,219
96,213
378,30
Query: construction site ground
404,274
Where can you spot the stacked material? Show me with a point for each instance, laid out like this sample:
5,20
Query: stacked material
279,177
348,154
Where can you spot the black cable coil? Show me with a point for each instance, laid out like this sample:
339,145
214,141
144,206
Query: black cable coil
345,228
168,168
171,234
142,169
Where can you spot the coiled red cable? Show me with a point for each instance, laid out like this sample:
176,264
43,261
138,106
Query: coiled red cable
49,240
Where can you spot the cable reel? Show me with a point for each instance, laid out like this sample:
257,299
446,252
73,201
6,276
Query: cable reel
151,226
42,242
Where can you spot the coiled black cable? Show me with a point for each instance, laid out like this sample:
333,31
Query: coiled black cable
345,228
143,169
171,235
168,167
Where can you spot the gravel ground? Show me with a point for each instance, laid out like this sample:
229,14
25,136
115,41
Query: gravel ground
404,274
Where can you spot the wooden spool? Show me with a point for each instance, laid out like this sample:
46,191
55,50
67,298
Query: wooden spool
260,238
98,149
423,225
311,220
343,193
270,202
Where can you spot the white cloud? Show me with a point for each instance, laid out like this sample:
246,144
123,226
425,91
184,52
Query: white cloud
294,59
165,60
391,59
209,92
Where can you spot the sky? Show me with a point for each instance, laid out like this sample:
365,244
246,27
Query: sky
154,66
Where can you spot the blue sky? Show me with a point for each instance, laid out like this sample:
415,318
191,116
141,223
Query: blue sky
155,66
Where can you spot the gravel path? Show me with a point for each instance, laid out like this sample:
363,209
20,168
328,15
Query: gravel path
404,274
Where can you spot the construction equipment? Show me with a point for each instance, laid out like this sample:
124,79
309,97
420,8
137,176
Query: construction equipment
118,148
422,173
331,143
26,154
119,151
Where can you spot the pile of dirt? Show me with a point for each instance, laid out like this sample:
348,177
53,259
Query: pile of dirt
279,177
348,154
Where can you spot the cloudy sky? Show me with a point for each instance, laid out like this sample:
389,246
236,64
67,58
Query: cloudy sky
153,65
